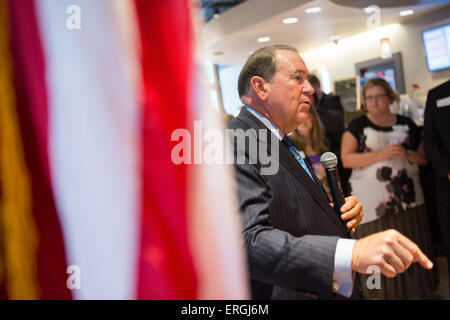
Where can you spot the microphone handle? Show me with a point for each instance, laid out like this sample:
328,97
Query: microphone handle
337,194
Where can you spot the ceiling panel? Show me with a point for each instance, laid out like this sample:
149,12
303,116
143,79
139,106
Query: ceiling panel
235,32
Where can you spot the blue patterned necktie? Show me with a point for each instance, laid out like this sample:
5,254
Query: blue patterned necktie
297,155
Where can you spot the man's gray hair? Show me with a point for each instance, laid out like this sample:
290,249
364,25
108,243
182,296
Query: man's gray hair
261,63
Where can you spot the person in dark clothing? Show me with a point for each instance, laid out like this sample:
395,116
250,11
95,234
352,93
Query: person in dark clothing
332,117
326,101
437,149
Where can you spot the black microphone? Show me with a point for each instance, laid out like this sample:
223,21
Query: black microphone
329,162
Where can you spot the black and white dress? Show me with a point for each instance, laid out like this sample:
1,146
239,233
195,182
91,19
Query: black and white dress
392,196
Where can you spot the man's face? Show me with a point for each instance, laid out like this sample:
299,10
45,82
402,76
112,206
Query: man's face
290,92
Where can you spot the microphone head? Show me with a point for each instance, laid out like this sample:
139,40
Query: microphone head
328,160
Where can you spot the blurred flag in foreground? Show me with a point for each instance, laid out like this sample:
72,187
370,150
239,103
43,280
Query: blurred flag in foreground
91,204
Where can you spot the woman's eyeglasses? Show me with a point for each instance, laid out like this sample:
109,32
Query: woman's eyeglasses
377,97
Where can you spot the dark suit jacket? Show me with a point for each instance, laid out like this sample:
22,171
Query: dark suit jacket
289,228
437,148
437,131
330,102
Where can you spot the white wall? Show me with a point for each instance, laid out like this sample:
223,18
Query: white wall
339,60
229,76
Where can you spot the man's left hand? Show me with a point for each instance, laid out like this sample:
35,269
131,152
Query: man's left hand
352,210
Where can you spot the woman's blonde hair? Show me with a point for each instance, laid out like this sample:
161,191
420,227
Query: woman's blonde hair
319,142
392,95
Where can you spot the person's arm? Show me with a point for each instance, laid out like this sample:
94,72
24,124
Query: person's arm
276,257
389,251
343,275
417,157
353,159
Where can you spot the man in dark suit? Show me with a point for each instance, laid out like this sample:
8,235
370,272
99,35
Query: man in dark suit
326,101
437,148
297,246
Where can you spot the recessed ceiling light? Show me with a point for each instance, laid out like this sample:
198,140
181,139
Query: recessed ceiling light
263,39
313,10
406,12
290,20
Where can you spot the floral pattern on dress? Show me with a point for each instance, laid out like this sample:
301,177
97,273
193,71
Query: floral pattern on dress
362,144
400,188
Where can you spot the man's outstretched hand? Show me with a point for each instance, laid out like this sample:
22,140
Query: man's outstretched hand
389,250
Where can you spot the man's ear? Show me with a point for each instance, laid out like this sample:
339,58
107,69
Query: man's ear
260,86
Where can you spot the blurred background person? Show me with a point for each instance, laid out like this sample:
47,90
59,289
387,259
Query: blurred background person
330,112
309,137
437,147
331,118
325,101
384,150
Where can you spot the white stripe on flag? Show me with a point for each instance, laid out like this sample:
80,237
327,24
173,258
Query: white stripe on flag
94,140
215,237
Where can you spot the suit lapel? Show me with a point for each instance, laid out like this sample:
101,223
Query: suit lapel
286,158
313,187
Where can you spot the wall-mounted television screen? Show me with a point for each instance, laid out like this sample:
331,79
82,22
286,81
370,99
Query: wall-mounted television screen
437,47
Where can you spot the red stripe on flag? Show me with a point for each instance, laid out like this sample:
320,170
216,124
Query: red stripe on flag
165,265
31,92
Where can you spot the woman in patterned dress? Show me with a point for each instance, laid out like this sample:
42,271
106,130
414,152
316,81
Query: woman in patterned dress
384,151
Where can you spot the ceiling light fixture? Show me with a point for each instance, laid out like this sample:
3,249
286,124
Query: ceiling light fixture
290,20
386,50
313,10
406,12
263,39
